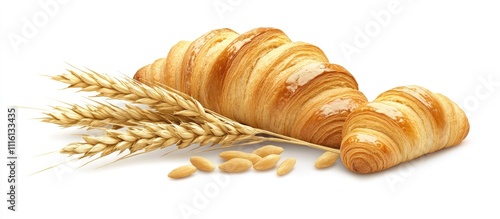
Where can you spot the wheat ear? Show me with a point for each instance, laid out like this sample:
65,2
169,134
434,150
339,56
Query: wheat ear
165,101
103,115
150,136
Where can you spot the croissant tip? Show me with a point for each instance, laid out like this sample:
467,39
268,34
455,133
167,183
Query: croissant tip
140,75
360,165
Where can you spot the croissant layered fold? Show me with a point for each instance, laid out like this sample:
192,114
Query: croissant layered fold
263,79
401,124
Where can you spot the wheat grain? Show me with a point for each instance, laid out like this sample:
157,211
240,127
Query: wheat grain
227,155
182,172
286,166
267,150
267,162
326,159
235,165
202,163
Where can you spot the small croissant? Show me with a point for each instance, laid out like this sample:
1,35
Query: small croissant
401,124
263,79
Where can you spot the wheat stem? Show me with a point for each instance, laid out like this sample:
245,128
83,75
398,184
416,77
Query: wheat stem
280,138
286,139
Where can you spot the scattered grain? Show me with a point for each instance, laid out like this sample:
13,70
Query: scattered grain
235,165
286,166
227,155
202,163
182,171
267,150
327,159
267,162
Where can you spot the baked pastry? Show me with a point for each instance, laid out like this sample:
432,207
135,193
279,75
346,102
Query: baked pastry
401,124
263,79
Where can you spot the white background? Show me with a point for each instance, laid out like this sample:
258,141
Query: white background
451,47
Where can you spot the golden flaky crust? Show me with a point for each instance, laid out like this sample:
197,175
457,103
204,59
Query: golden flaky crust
399,125
263,79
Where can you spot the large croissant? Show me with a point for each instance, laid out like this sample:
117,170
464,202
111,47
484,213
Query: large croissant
263,79
399,125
